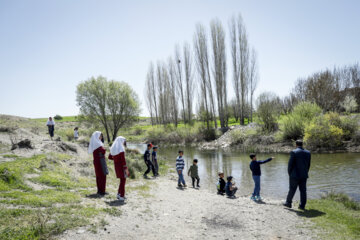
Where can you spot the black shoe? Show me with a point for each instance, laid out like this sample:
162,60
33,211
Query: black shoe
287,205
193,186
103,193
301,208
198,186
179,185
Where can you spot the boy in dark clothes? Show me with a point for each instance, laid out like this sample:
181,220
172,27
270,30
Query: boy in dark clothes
148,162
193,172
154,161
230,188
221,184
256,173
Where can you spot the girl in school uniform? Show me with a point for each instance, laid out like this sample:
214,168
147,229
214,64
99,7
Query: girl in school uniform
96,148
51,127
117,153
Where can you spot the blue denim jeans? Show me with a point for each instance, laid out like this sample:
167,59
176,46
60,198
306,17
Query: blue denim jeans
257,186
181,177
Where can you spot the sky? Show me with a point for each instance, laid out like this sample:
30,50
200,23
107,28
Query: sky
48,47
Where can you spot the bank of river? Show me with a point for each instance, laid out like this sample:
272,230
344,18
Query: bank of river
339,172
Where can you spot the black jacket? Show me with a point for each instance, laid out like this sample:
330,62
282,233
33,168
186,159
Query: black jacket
255,166
299,163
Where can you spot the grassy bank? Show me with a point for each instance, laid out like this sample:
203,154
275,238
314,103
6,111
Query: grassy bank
44,195
335,215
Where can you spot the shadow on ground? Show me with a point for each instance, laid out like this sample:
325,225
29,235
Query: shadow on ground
115,203
95,195
311,213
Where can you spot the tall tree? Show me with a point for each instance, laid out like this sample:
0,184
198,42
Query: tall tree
253,79
240,58
200,48
153,89
114,104
180,79
219,68
189,85
173,95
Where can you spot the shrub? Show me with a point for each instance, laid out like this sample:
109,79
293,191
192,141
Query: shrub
137,130
58,117
349,125
321,133
293,126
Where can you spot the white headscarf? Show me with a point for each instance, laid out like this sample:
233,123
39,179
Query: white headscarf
118,146
95,142
52,122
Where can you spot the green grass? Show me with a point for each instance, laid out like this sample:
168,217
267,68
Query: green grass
336,216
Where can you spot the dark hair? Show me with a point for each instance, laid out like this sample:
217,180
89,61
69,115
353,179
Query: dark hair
220,173
229,178
149,145
155,147
299,143
76,128
252,155
195,160
181,151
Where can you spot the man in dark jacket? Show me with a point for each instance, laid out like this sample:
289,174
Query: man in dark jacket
298,169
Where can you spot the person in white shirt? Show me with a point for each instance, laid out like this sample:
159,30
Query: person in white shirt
51,126
76,133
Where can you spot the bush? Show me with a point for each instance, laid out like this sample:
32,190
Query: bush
321,133
349,125
268,110
294,124
58,117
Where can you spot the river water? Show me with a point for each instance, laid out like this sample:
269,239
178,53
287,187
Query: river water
339,172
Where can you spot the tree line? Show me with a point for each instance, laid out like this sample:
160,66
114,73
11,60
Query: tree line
199,72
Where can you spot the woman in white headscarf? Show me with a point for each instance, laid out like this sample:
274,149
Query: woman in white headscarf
117,153
96,148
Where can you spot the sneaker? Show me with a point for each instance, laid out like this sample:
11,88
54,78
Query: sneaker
258,198
185,185
198,186
120,198
253,198
193,186
179,185
286,204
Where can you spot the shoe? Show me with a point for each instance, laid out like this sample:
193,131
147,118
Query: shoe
253,198
120,198
198,186
287,205
103,193
301,208
258,198
179,185
185,185
193,186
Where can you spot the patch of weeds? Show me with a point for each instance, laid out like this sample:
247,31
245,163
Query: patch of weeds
113,211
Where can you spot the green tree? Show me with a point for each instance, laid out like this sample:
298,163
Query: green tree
113,104
268,109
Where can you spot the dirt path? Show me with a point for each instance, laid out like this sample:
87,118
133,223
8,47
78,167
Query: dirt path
171,213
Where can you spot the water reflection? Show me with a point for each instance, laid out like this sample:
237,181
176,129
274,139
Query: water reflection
338,172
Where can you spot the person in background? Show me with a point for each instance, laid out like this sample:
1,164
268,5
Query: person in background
51,127
256,173
154,160
230,188
180,164
221,184
76,133
194,173
96,148
117,153
150,166
298,170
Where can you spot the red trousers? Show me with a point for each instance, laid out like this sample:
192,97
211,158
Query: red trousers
121,190
100,177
